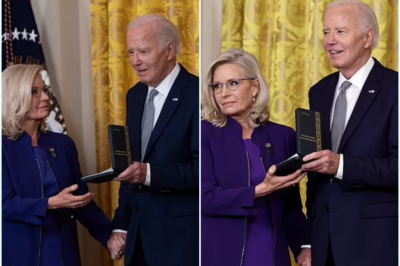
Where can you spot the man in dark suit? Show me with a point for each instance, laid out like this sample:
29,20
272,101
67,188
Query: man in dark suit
352,192
159,193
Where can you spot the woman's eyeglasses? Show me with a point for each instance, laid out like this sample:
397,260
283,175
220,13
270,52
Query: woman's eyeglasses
231,84
36,92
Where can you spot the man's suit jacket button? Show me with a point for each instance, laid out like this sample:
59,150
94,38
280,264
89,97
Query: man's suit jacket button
72,217
326,208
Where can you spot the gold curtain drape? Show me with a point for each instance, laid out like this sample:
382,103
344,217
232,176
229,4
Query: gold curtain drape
113,75
286,37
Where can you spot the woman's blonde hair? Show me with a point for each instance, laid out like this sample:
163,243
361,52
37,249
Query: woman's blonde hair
248,64
16,90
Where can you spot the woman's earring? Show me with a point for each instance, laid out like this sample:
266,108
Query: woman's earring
254,98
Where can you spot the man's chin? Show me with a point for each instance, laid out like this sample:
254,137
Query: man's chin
144,80
335,63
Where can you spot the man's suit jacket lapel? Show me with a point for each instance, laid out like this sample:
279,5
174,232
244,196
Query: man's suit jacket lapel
364,101
174,98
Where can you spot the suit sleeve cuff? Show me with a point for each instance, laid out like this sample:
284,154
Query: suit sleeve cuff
119,231
339,174
305,246
147,181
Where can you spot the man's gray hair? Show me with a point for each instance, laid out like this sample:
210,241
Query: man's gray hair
166,30
367,17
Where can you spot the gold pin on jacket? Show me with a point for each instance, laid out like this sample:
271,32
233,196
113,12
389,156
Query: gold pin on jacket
269,147
53,152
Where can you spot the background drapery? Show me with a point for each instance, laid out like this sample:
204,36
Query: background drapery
286,37
113,75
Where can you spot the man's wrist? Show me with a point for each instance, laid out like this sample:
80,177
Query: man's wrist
148,173
339,172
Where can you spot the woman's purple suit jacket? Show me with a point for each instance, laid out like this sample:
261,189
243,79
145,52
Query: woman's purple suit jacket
24,208
227,199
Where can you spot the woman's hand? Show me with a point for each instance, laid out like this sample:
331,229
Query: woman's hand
274,183
65,199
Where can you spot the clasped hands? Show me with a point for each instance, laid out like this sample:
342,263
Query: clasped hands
116,245
304,258
135,173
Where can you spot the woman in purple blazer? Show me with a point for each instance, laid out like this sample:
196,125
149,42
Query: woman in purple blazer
42,196
250,217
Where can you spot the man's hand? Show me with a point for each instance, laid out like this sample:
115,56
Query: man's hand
135,173
304,258
326,162
116,245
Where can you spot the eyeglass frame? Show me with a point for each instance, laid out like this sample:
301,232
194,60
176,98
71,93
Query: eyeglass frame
227,86
43,89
